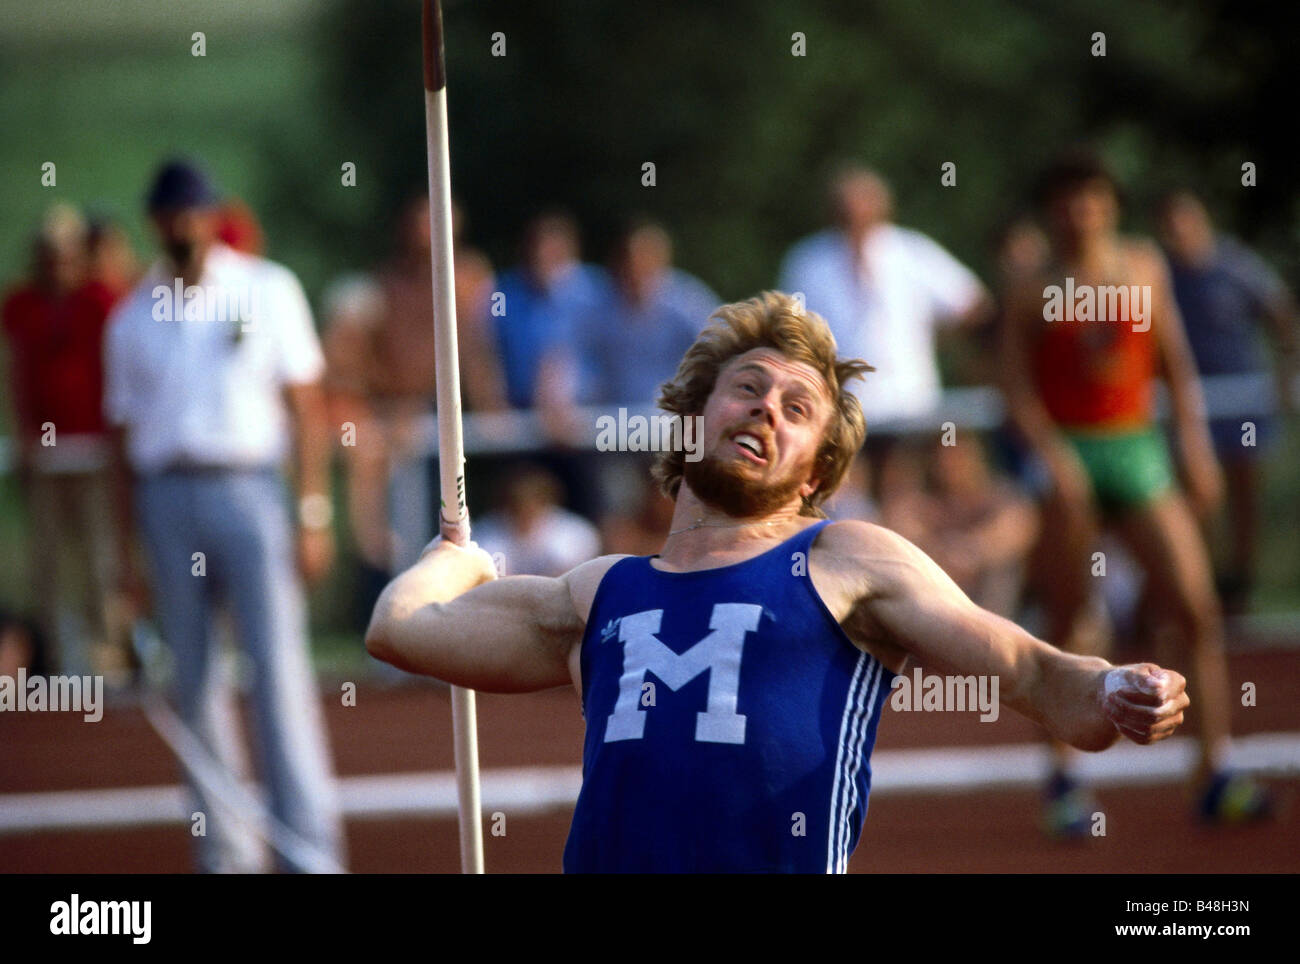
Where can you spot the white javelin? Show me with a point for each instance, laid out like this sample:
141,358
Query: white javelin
453,517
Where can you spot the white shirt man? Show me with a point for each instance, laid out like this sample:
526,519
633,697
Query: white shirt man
199,378
209,364
884,306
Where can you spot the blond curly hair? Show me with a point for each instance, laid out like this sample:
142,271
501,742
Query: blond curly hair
779,321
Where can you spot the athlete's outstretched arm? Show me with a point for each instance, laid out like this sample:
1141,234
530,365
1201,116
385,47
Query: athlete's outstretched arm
1084,701
448,616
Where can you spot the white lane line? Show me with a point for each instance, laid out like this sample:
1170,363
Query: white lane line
531,790
1019,765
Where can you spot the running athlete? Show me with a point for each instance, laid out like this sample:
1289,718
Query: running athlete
1084,341
732,683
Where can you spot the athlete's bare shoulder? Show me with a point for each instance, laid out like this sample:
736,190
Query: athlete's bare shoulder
851,563
857,539
582,582
864,553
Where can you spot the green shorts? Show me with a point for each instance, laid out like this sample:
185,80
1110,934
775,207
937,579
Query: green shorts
1128,469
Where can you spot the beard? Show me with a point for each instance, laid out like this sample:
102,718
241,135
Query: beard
724,485
181,252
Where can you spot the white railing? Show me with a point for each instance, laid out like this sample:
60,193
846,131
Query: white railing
979,408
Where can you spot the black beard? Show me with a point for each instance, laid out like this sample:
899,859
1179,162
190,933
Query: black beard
721,485
181,251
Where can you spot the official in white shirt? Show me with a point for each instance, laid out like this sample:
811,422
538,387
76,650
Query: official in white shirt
885,291
212,378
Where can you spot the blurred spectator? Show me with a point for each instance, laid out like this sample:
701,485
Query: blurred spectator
405,336
404,359
978,527
206,402
619,351
55,327
22,646
543,299
1020,248
629,342
353,306
533,534
1226,295
903,503
239,228
112,260
638,522
851,499
885,290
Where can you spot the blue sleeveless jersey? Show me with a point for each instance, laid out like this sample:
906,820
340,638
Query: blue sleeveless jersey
730,722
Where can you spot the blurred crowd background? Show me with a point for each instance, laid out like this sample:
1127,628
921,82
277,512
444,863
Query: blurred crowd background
580,283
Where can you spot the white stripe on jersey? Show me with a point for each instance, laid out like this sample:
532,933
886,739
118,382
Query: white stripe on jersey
855,764
833,829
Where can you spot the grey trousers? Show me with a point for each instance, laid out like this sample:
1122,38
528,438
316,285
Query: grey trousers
238,520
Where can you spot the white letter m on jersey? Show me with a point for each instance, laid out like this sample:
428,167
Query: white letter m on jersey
719,652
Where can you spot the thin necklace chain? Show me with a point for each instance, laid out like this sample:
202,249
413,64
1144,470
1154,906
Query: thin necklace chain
701,524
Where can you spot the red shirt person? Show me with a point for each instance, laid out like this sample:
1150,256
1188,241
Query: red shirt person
56,340
54,325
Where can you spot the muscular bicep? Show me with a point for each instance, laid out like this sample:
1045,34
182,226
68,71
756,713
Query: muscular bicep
512,635
921,610
913,604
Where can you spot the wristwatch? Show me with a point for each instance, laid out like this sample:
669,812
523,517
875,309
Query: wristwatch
315,511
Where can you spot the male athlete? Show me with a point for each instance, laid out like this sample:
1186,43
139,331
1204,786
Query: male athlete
1085,338
732,684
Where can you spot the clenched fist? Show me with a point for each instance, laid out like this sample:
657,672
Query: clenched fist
1145,702
459,567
